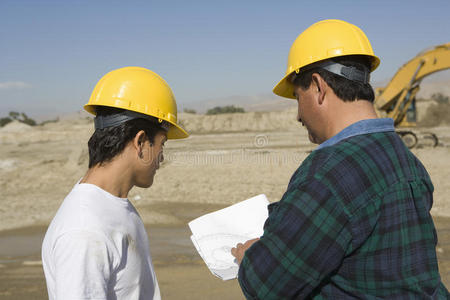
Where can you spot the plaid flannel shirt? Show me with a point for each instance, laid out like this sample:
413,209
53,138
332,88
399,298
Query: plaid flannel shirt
354,223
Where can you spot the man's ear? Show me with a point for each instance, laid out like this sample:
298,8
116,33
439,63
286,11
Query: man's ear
320,87
139,140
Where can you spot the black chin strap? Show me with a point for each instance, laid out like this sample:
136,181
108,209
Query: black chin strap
101,122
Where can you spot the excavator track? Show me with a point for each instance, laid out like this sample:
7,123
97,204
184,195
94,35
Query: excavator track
431,138
411,140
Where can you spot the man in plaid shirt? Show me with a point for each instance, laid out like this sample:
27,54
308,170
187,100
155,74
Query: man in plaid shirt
354,222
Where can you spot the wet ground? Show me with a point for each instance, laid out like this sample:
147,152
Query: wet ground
181,273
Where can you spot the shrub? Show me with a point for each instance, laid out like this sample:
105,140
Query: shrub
437,113
21,117
190,111
440,98
4,121
225,110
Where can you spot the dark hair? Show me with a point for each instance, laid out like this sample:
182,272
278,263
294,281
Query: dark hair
345,89
106,143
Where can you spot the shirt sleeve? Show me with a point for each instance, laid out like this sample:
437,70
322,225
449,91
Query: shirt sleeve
83,265
305,239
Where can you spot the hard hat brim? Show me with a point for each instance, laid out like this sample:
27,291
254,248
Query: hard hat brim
176,132
284,88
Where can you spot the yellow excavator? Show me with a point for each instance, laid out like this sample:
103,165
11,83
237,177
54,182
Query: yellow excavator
397,100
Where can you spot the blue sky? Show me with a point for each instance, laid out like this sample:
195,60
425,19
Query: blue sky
52,53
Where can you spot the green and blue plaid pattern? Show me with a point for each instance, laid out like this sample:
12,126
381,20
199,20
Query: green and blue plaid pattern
354,223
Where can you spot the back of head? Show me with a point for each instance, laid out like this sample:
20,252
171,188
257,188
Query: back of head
108,142
344,88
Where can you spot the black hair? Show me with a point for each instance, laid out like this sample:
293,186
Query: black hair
345,89
106,143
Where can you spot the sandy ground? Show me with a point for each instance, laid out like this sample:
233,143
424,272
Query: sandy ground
180,271
218,165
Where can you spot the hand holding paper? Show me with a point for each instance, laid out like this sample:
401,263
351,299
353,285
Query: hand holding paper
240,249
215,234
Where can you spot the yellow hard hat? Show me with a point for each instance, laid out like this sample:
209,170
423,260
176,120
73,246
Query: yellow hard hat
323,40
138,90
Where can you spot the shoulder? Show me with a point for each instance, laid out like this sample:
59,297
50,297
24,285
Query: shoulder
360,168
361,155
87,210
78,208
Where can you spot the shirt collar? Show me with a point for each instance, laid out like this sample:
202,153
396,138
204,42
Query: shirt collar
358,128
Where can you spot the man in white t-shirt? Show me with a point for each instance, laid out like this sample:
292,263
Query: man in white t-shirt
96,247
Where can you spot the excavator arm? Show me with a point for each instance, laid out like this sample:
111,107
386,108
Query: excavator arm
394,100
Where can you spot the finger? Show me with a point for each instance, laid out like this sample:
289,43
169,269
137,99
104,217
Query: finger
233,251
251,241
239,245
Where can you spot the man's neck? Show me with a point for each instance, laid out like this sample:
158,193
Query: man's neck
345,114
113,177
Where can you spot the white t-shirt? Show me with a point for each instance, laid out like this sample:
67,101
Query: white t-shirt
96,247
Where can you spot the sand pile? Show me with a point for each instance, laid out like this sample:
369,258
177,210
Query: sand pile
80,126
20,133
238,122
16,127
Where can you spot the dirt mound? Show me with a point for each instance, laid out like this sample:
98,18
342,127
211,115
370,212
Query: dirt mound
17,127
238,122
